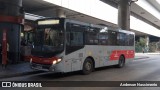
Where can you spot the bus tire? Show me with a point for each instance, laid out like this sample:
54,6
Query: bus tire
88,66
121,62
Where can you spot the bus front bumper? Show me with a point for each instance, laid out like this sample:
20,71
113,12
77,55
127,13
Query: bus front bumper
42,67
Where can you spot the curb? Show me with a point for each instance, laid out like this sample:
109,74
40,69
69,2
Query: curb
20,74
140,58
154,54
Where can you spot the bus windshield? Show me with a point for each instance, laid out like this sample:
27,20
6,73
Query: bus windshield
48,42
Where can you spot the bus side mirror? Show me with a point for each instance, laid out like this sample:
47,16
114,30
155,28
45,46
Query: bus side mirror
71,36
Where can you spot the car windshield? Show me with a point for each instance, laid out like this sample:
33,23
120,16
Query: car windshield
48,42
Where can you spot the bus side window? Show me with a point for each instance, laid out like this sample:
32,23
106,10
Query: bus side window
103,37
127,40
92,36
131,40
112,37
74,37
71,36
67,34
121,38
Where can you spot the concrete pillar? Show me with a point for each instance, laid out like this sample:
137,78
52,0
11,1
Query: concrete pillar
147,42
61,13
11,19
124,14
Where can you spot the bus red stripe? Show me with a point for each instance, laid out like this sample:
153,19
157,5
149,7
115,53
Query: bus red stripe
116,54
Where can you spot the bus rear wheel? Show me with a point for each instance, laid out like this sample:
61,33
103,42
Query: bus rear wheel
87,66
121,62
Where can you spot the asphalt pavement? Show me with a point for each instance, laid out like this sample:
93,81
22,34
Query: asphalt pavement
142,69
19,69
23,68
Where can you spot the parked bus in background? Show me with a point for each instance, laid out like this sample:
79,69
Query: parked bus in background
64,45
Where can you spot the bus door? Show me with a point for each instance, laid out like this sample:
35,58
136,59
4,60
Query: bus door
74,45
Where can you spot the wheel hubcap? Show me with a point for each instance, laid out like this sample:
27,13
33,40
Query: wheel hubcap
88,66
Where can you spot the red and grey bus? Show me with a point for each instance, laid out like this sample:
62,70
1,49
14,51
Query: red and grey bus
64,45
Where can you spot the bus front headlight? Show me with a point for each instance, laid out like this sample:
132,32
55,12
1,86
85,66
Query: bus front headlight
58,60
31,60
54,62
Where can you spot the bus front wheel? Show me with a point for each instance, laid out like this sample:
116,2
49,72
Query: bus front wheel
121,62
87,66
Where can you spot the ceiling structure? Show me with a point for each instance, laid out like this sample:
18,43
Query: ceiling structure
42,8
140,13
155,4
